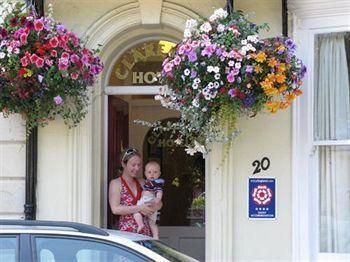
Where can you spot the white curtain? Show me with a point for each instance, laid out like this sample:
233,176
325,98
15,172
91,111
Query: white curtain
332,122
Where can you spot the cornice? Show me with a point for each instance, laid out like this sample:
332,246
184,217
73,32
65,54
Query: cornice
319,8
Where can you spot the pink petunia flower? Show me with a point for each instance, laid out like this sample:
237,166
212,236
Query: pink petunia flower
58,100
23,38
39,62
38,25
24,61
53,42
74,76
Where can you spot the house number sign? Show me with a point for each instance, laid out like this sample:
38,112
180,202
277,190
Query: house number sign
262,164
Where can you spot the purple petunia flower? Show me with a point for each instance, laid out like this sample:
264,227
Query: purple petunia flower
232,92
249,69
193,73
58,100
192,56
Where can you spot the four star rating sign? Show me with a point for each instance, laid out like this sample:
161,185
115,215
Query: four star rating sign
262,200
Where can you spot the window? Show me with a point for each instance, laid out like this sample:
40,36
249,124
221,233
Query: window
52,249
332,140
8,248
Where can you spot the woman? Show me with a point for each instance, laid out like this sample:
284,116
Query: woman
125,191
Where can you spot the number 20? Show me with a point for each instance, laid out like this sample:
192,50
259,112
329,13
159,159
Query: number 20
264,164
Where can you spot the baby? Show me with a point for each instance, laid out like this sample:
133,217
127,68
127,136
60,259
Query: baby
152,191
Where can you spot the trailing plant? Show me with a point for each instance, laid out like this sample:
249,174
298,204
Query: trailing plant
45,70
222,70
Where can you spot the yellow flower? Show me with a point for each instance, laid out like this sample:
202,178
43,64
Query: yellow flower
272,62
28,74
282,89
281,48
260,57
280,78
272,106
257,69
281,68
271,91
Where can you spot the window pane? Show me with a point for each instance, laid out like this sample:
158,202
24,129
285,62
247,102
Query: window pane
69,249
332,96
8,249
334,166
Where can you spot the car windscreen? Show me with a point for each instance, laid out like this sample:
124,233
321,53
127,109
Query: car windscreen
165,251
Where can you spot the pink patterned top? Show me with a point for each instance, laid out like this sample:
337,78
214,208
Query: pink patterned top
127,198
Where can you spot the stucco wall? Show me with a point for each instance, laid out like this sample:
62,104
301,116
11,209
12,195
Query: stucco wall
266,135
12,166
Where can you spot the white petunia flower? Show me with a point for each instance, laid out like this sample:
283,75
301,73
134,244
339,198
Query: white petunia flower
197,80
187,33
210,69
216,85
244,42
220,28
205,27
195,102
187,72
191,23
2,55
238,65
195,86
217,76
220,13
216,69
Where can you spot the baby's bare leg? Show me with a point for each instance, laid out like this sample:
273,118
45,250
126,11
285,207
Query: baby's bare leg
139,221
154,228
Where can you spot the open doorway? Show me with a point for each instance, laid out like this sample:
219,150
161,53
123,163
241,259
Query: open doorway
181,222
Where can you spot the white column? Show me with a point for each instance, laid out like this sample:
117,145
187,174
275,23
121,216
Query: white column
219,205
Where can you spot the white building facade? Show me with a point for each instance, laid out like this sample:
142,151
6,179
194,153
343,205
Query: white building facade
312,173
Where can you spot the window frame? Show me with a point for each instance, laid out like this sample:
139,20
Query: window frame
305,180
83,238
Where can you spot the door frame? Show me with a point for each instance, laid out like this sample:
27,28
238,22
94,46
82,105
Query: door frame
121,90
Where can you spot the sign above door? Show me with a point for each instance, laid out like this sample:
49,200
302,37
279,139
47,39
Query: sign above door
139,65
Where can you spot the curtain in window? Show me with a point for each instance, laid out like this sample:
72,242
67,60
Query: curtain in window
332,122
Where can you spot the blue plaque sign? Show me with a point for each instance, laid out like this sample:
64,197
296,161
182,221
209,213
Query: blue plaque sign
261,198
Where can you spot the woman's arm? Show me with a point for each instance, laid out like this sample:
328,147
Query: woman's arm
114,200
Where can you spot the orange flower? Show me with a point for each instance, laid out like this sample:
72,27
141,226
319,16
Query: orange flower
260,57
271,77
297,92
290,97
257,69
266,84
272,62
284,105
280,78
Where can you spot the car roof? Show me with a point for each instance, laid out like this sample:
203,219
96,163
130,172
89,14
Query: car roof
71,229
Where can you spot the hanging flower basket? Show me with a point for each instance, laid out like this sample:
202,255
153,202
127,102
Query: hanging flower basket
222,70
45,70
